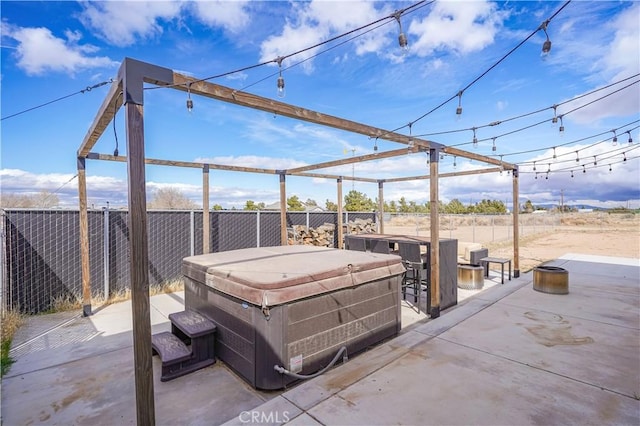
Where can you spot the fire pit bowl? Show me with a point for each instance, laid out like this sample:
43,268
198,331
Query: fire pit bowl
551,279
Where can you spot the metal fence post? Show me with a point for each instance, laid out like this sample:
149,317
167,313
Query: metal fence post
3,307
493,228
105,251
258,228
192,224
473,226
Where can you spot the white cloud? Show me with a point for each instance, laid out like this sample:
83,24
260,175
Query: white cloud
610,55
39,51
317,21
463,27
121,23
231,15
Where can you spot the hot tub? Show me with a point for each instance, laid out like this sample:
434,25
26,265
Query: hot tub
293,306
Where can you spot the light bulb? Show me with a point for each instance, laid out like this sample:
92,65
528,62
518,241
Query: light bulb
493,148
630,140
189,105
546,48
281,92
402,41
459,109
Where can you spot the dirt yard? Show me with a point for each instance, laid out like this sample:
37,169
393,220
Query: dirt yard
549,238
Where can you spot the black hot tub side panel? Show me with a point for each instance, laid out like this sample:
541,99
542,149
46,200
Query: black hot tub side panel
313,328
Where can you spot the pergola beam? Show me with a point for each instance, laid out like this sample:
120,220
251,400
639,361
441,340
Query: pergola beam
450,174
483,158
292,172
108,109
222,93
351,160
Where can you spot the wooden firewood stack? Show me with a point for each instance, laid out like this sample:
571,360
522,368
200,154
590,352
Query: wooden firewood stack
320,236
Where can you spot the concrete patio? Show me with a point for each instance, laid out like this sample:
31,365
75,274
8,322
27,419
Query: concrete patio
506,355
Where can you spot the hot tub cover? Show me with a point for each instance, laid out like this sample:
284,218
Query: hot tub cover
270,276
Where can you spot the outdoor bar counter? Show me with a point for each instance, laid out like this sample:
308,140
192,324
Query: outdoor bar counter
293,306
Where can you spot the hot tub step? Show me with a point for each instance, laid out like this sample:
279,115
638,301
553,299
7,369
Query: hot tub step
187,328
170,348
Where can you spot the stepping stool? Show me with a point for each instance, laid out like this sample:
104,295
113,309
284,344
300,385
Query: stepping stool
187,328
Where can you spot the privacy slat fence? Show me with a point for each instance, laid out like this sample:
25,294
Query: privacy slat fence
40,252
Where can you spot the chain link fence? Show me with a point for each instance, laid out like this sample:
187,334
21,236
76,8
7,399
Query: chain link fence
474,228
40,253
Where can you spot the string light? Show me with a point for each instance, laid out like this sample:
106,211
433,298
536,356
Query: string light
402,38
630,140
595,161
624,156
577,157
534,166
475,139
554,152
280,83
584,170
561,126
189,100
547,176
609,168
454,161
614,141
546,46
493,148
571,173
459,109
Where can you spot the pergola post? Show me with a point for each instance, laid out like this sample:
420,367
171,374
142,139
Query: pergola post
283,211
434,279
132,73
516,225
380,207
340,222
84,238
205,210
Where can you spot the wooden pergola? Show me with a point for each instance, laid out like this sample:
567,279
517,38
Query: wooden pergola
128,91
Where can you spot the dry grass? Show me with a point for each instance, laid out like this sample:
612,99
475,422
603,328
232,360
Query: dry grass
71,302
11,321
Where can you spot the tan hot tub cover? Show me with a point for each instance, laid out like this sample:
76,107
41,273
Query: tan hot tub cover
270,276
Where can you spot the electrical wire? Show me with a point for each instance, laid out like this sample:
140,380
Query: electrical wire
459,93
546,120
86,89
498,122
59,188
583,167
576,151
416,6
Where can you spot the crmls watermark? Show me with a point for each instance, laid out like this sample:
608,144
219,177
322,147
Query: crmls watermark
258,417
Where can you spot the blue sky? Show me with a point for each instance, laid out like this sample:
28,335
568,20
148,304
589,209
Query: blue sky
53,49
